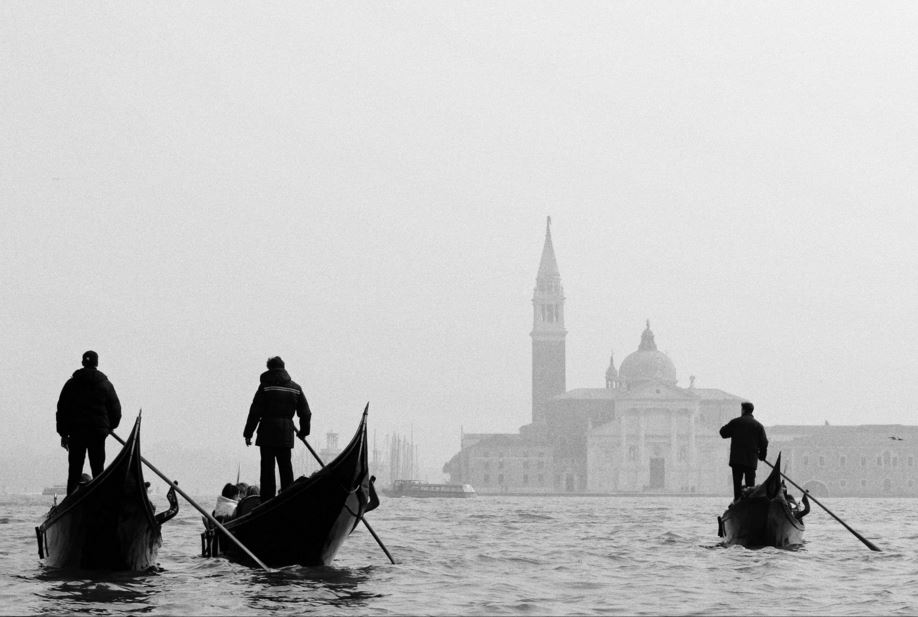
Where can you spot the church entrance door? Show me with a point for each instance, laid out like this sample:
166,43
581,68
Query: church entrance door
657,473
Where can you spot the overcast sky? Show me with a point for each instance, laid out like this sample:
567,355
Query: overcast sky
361,188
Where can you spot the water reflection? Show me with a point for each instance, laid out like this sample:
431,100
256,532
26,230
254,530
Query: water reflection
316,587
82,591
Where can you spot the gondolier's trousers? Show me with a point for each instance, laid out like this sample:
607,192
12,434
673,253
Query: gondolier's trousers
80,443
738,472
284,467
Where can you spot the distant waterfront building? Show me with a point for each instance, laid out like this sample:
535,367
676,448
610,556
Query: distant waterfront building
870,460
642,433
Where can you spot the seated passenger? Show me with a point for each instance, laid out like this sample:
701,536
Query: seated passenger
226,503
248,500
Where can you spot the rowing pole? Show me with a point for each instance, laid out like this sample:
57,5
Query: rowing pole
206,514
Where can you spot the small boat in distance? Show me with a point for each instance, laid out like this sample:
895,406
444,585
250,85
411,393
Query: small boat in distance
764,515
108,523
416,488
57,489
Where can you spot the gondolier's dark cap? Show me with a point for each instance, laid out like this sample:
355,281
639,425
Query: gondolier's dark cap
747,407
275,362
90,358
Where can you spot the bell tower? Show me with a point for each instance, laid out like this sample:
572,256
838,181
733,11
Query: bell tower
548,333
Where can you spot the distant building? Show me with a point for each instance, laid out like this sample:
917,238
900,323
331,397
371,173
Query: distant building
642,433
870,460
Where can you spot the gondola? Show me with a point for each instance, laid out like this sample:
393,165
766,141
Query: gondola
107,523
764,515
306,523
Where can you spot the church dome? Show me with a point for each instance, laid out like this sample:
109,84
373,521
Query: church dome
647,363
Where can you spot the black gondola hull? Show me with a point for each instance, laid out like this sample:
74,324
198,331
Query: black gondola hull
108,524
763,517
307,523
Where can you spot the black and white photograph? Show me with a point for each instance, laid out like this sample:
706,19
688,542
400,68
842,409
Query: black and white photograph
458,308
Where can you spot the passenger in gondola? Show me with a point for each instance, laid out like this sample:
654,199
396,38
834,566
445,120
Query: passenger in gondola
748,446
249,501
87,411
277,400
226,503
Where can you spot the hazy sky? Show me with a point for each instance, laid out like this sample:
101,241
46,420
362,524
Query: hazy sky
361,188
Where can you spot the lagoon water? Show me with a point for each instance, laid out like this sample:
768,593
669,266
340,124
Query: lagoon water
504,555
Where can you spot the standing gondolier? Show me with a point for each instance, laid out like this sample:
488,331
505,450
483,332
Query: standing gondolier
276,401
87,411
748,446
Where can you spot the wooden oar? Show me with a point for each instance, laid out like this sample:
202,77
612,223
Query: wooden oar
362,519
206,514
867,542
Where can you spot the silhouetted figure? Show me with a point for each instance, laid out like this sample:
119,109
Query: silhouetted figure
276,401
748,446
87,411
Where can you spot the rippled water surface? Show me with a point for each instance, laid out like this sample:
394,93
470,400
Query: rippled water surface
505,555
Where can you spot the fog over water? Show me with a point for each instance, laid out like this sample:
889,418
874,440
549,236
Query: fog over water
362,189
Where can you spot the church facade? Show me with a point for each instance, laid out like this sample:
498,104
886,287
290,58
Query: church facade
640,433
644,434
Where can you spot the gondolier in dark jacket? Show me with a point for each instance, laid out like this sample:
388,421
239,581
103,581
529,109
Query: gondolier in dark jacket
87,411
276,401
748,446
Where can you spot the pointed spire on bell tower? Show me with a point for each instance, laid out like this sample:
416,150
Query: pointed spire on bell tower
548,333
548,267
